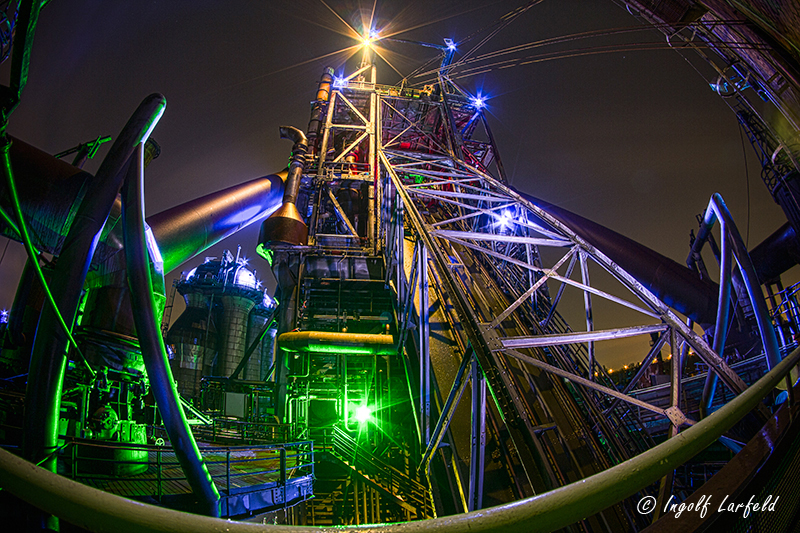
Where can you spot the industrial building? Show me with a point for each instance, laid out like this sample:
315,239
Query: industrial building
414,365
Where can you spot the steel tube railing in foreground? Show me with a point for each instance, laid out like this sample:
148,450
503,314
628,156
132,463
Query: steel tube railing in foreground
99,511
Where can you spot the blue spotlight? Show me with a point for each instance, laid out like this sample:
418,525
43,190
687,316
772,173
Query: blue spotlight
505,220
479,101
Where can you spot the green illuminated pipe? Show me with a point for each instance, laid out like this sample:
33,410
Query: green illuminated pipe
100,511
48,356
336,342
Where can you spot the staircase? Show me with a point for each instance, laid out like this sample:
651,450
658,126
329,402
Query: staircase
393,484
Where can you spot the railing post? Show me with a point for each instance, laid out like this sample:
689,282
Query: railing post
228,473
74,455
283,467
158,473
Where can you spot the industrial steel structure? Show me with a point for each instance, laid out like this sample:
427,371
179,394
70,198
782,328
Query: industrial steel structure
414,365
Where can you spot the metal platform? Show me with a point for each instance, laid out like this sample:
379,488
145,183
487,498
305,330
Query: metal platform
250,479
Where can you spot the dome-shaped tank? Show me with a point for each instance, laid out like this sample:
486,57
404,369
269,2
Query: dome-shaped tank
210,337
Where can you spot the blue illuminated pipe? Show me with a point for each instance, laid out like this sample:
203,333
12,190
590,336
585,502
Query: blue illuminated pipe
776,254
151,342
188,229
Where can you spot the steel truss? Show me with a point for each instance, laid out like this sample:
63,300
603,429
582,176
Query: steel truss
480,242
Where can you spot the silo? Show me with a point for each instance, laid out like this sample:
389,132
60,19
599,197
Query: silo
238,296
193,338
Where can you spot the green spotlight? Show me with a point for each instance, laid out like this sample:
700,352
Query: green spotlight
363,414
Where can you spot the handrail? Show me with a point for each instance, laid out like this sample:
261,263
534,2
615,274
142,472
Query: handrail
384,474
99,511
300,456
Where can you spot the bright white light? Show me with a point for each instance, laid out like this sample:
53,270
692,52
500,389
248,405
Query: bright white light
191,273
4,316
451,45
339,82
363,413
479,101
371,37
245,278
505,219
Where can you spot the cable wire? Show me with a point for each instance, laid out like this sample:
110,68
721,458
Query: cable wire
747,184
33,254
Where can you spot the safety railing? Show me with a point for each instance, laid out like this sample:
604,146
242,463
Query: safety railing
232,430
132,470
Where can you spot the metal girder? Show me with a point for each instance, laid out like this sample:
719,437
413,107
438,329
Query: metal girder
534,287
585,382
499,382
469,207
580,336
477,437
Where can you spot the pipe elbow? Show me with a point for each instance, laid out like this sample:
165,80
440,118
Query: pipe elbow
294,134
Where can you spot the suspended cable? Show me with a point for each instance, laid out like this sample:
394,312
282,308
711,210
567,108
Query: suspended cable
500,24
563,54
747,184
33,254
574,37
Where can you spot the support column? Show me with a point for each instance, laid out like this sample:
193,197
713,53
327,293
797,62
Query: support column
478,437
423,332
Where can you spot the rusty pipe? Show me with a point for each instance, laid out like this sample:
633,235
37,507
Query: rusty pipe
297,163
318,109
286,225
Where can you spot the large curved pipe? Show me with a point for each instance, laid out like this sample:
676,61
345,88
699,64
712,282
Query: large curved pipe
286,225
188,229
298,162
48,357
151,342
776,254
671,282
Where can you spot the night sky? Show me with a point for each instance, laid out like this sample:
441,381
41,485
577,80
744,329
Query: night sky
634,140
